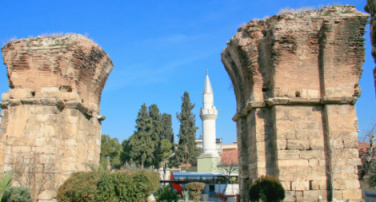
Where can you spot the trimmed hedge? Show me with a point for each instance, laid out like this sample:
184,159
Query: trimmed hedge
267,188
106,186
17,194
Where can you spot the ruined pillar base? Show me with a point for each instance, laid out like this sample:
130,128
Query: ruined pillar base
51,124
296,81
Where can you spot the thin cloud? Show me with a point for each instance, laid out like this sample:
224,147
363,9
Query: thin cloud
168,40
144,74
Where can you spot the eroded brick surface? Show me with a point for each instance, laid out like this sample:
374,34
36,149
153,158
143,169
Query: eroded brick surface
296,80
371,8
50,116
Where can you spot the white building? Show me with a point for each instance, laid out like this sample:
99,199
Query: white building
208,115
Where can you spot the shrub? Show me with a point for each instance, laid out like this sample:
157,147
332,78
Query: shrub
17,194
372,175
153,179
106,186
267,188
80,186
195,189
166,193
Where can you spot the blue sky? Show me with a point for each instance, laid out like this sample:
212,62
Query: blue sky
161,49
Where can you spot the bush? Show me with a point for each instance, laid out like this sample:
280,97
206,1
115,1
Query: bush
17,194
106,186
267,188
80,186
166,193
195,189
372,175
152,179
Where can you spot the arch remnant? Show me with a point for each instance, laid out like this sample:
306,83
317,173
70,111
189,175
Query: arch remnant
51,124
296,79
371,9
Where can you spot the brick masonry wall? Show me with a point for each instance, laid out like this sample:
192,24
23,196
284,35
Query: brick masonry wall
295,78
51,124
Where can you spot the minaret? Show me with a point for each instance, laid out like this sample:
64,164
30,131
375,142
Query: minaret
208,115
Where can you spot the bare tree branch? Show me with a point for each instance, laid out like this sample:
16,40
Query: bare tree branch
30,172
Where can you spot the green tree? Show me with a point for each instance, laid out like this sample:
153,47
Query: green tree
164,153
187,151
167,132
156,133
124,155
140,149
110,151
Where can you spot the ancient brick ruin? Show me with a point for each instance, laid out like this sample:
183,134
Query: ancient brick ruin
371,8
296,78
51,124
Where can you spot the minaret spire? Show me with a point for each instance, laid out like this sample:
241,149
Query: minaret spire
208,115
207,87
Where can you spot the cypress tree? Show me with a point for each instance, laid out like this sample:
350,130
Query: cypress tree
167,132
155,133
187,151
140,143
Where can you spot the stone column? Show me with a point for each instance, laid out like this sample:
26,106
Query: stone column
296,79
51,124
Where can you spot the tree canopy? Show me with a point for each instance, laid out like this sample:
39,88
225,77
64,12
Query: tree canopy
186,151
147,146
110,151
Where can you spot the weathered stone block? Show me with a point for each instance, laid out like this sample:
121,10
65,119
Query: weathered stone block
288,154
300,185
297,144
303,69
49,91
309,154
313,195
293,163
354,194
21,149
318,184
286,184
50,112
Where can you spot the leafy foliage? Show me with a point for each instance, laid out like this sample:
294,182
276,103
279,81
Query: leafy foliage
167,132
267,188
5,183
372,175
80,186
155,133
187,151
110,150
105,186
195,189
17,194
140,142
168,194
146,146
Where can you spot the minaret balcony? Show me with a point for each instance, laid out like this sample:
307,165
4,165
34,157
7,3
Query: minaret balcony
208,113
